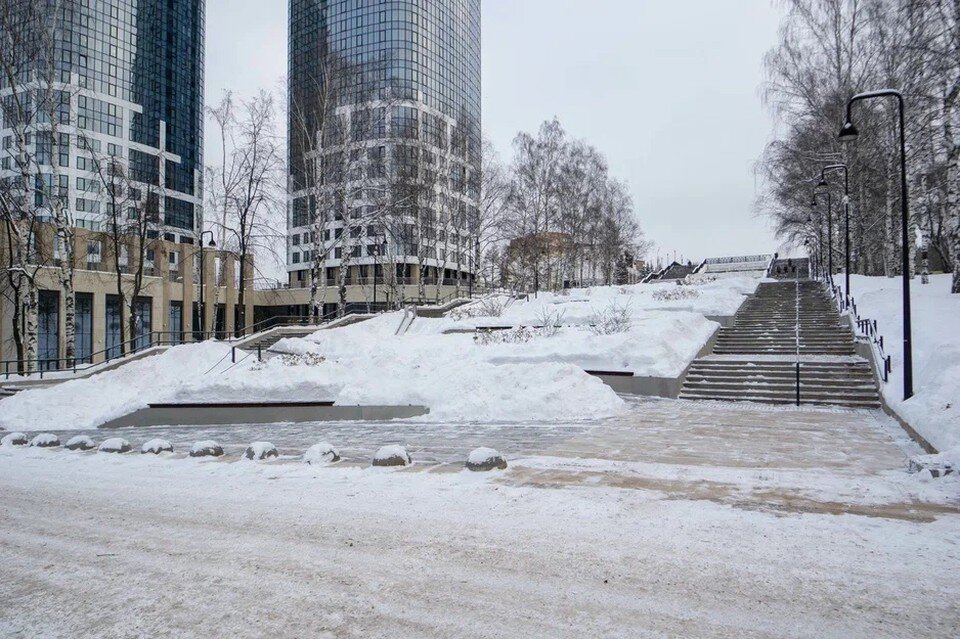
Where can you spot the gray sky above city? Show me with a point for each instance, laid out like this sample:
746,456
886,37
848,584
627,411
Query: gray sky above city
668,91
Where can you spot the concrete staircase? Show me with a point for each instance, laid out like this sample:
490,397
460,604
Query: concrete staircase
756,359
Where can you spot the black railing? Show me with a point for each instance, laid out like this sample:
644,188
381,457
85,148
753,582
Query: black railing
866,328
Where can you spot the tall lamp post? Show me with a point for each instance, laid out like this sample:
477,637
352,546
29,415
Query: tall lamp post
848,132
846,222
201,304
829,228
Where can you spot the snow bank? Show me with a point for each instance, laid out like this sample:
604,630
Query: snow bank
934,410
436,363
86,403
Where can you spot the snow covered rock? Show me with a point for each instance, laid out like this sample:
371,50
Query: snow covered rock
261,450
45,440
115,445
14,439
80,442
322,453
393,455
485,459
206,448
156,446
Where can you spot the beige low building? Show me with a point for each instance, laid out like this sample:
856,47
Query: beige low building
170,294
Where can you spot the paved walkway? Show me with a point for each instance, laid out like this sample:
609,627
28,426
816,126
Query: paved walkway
678,520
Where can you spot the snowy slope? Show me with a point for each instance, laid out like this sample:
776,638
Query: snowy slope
436,363
935,408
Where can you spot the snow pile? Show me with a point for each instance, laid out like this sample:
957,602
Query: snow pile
206,448
45,440
156,446
485,459
934,410
80,442
83,404
322,453
393,455
115,445
14,439
261,450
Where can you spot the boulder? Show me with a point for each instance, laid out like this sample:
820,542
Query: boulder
322,453
206,449
14,439
80,442
115,445
156,446
485,459
392,455
261,450
45,440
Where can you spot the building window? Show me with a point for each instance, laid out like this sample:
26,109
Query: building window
94,252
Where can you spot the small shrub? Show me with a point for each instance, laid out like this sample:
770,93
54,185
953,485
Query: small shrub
519,335
677,294
487,307
612,320
302,359
550,320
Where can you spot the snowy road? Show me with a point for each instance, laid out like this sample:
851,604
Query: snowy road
678,521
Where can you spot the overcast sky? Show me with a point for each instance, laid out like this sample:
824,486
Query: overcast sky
667,90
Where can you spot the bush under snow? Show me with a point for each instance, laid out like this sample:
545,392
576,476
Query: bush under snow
14,439
80,442
261,450
485,459
206,448
393,455
322,453
156,446
45,440
115,445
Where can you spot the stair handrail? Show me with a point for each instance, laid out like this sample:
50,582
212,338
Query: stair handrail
863,327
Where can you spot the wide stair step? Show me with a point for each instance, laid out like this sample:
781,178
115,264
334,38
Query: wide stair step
755,359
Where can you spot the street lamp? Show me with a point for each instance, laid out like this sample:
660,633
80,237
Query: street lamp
846,221
200,304
820,185
849,132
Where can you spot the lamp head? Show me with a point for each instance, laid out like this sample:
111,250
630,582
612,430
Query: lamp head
809,219
848,132
813,201
212,244
822,184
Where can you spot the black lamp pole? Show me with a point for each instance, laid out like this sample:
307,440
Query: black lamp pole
846,223
829,230
200,304
849,132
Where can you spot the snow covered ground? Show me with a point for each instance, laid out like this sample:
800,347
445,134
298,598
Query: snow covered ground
935,408
538,375
676,519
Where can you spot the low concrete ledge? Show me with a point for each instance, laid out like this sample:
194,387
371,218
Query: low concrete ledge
215,414
627,383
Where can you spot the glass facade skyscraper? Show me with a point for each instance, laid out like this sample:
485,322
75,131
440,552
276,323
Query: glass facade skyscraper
134,72
383,92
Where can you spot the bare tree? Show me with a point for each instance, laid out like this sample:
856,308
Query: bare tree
245,187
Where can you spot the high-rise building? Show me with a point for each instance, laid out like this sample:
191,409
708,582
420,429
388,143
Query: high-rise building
126,80
385,142
132,72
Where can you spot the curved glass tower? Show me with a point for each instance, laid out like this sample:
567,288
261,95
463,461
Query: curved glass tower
384,96
133,71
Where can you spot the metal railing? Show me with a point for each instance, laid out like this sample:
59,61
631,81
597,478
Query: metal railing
865,328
